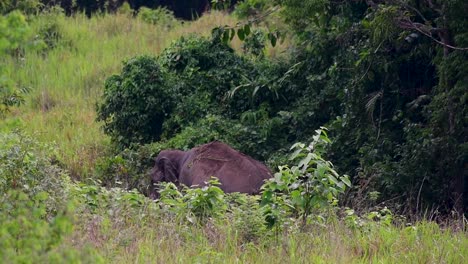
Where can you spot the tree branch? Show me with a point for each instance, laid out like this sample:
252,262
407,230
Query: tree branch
426,30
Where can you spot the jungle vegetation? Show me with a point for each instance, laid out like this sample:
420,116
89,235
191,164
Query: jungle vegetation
358,107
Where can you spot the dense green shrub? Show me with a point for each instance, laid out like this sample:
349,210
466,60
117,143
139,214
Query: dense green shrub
194,205
14,31
49,31
247,217
254,44
246,137
25,6
190,80
136,103
225,97
251,8
159,16
307,188
27,166
206,70
128,169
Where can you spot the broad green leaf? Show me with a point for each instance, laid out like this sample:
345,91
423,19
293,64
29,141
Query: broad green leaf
226,36
272,39
247,29
241,34
346,181
305,162
297,145
333,179
295,154
233,33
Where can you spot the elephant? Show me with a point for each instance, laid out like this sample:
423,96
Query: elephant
236,171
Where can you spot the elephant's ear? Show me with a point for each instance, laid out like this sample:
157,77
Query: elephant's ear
168,169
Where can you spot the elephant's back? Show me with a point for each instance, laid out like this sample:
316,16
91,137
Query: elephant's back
220,153
236,171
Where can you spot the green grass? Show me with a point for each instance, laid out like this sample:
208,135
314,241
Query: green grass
165,242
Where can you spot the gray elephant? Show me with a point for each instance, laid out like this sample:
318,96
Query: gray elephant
236,171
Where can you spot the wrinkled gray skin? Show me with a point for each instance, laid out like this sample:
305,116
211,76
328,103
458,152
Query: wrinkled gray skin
236,172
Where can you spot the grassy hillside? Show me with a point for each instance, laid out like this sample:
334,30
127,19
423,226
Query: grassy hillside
67,81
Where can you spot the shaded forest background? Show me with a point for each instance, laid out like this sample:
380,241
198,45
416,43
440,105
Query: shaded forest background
185,9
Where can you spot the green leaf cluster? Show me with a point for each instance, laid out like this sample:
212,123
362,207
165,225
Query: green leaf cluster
158,16
136,102
309,187
14,31
194,205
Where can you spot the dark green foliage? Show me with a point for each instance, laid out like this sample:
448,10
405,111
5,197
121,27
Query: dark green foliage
309,187
127,170
255,43
206,70
158,16
392,96
247,138
155,97
251,8
136,102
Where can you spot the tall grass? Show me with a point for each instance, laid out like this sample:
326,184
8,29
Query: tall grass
166,242
67,81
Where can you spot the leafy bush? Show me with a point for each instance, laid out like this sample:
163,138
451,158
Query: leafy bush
309,187
247,217
159,16
14,31
247,137
141,103
254,44
35,204
206,70
25,6
128,169
100,200
49,29
194,205
251,8
136,102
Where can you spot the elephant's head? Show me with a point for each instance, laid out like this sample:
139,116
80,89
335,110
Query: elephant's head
166,169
